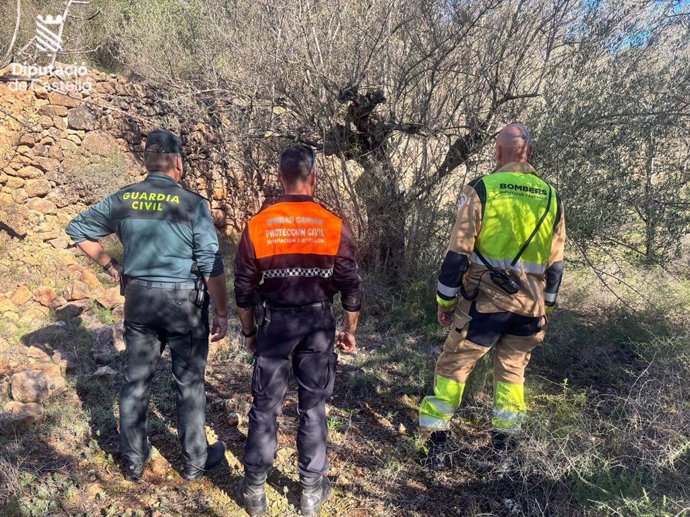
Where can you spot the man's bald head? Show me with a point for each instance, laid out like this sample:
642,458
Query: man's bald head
513,144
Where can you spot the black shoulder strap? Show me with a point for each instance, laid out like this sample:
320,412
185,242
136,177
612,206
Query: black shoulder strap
529,239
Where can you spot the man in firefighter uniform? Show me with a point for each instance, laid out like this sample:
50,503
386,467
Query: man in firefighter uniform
293,257
499,278
171,260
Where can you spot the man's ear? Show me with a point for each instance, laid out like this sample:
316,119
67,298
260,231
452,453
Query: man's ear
179,166
312,180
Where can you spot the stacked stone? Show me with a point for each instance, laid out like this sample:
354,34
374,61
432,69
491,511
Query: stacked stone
49,139
32,374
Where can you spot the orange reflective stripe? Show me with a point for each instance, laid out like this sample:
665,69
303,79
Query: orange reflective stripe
301,227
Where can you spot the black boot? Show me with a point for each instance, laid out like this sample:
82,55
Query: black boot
254,493
314,492
134,471
438,458
215,454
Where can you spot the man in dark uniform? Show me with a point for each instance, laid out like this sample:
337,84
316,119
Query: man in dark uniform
295,255
170,260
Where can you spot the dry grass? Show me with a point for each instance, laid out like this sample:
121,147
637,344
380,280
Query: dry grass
607,433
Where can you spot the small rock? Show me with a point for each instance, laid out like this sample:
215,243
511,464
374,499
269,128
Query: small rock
5,390
55,152
58,302
37,354
33,314
37,385
118,312
79,291
53,111
43,206
46,164
27,139
81,117
119,335
29,172
59,99
21,295
100,142
19,417
37,187
60,244
6,305
90,279
59,361
45,121
72,309
105,371
110,298
45,296
103,348
283,455
234,419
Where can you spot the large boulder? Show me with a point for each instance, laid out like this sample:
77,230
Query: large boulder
37,385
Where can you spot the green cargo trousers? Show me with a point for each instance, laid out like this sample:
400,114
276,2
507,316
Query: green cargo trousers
156,318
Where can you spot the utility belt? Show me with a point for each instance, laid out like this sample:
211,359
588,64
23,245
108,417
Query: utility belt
198,285
263,309
162,285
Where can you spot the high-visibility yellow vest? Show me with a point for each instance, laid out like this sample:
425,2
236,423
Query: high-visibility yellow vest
514,204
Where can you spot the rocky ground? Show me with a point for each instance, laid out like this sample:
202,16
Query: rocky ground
61,355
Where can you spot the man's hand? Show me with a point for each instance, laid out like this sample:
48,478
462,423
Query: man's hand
219,327
346,341
115,272
250,344
444,315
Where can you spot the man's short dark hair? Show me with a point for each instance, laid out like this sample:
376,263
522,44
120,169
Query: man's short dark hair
162,147
296,163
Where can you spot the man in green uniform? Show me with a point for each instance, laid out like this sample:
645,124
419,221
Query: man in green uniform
499,279
171,261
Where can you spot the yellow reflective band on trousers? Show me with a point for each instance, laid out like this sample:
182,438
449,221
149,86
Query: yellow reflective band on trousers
436,411
509,406
515,202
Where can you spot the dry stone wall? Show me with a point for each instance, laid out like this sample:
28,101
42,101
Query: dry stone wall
60,153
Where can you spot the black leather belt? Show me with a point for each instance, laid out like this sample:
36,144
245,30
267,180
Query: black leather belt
161,285
281,307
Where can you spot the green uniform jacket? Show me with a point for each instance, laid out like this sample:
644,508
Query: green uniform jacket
163,228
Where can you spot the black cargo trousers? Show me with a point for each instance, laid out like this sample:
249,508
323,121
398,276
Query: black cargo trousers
299,339
156,318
